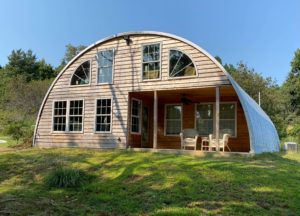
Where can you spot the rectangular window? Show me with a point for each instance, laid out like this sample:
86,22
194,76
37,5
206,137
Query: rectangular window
105,66
173,119
59,115
135,116
205,119
151,62
228,119
68,121
103,115
76,115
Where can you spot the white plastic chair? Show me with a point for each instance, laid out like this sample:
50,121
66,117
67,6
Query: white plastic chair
189,138
222,142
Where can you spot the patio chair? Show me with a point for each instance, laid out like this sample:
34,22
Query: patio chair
189,138
222,142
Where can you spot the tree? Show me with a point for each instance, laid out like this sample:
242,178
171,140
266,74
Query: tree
70,53
26,64
292,84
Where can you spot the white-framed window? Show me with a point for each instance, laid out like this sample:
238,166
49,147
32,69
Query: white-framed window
81,76
76,115
136,116
228,119
105,60
206,118
59,116
173,119
68,116
103,115
151,61
180,64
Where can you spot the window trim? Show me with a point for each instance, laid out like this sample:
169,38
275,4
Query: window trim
160,60
214,116
140,116
111,116
67,131
112,69
180,77
90,77
165,119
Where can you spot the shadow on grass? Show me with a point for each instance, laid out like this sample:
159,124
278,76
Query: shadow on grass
128,183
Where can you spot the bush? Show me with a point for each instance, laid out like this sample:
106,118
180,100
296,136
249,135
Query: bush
66,178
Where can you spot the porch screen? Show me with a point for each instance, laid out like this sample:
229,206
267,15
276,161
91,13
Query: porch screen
205,119
105,66
173,119
227,119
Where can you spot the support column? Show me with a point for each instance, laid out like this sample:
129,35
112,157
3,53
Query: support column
155,113
217,116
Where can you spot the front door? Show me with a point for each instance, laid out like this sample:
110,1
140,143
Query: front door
145,127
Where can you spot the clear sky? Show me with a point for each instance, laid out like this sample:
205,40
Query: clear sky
262,33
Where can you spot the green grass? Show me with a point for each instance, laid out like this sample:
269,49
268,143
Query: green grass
131,183
10,142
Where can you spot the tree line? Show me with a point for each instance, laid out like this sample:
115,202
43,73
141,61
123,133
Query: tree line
25,80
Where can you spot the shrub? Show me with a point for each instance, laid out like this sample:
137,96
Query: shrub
66,178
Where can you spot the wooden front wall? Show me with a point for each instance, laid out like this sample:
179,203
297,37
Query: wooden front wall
126,78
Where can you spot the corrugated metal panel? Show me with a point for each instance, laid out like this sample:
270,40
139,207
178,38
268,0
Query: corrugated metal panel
263,134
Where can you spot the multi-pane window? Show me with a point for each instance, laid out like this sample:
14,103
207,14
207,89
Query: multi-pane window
180,64
135,116
68,115
59,115
205,119
103,115
82,74
151,61
173,119
75,115
105,66
227,119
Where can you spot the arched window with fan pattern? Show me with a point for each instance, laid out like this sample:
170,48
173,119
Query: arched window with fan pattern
180,64
81,75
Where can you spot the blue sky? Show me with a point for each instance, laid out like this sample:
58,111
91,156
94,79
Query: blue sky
262,33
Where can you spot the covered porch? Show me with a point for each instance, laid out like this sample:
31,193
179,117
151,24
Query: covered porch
157,117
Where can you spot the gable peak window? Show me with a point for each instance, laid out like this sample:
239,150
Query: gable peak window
151,62
180,64
81,75
105,66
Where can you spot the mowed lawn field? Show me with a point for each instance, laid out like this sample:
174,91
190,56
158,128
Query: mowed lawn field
139,183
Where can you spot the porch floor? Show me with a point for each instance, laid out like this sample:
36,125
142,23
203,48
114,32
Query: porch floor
196,153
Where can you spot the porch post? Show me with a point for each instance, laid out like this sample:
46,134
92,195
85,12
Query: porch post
217,116
155,120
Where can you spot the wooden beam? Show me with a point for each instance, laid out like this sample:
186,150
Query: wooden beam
217,116
155,113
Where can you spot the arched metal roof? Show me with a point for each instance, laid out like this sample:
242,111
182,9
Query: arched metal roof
262,132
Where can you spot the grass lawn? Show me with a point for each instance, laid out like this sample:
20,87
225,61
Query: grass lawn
137,183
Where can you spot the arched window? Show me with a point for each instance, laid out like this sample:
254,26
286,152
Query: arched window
82,74
180,65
